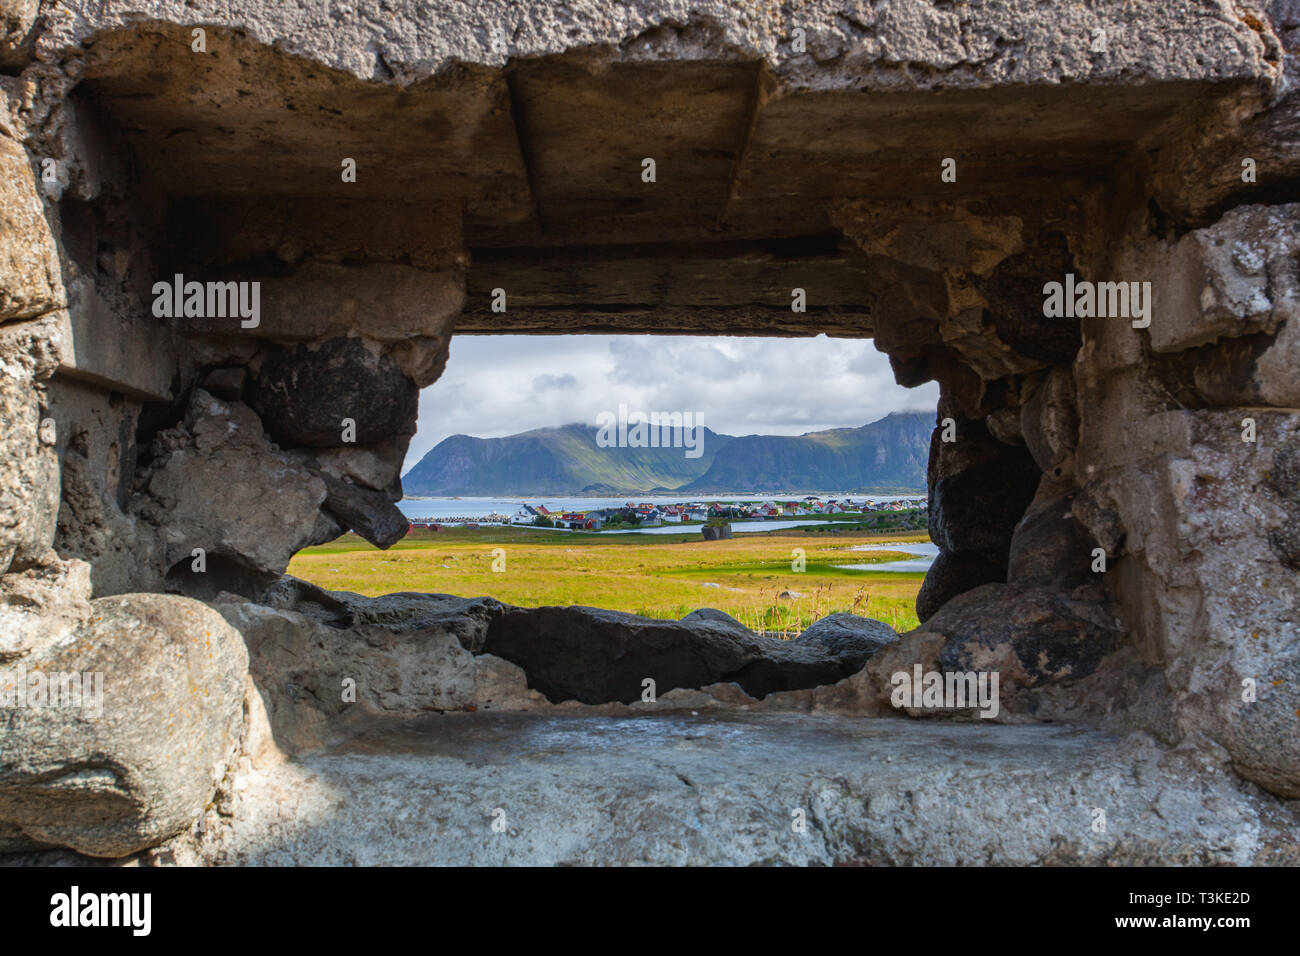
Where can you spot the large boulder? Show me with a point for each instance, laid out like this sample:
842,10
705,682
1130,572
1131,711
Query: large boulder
117,735
598,656
402,612
305,393
323,661
314,679
1032,638
951,574
712,615
1051,547
850,637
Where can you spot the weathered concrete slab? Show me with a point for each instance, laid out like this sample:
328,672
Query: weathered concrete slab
117,351
721,789
745,287
847,45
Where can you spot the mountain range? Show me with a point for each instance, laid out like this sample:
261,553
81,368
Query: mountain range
885,456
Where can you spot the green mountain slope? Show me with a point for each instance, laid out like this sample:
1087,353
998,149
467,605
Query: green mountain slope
889,454
563,460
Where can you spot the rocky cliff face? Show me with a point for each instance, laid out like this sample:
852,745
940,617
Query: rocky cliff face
1113,480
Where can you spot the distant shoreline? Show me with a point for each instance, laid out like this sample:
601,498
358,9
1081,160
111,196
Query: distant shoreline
673,496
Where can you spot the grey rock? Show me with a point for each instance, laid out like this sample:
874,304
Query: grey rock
1049,423
596,656
951,574
1051,547
326,529
98,448
42,604
305,393
1228,280
1182,41
979,490
1032,636
217,484
369,513
714,616
401,612
371,466
314,679
1205,589
850,637
322,660
140,757
1015,311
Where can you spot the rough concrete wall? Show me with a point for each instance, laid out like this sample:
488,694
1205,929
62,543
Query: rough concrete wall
1187,445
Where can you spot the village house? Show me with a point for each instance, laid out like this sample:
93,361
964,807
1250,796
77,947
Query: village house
578,521
649,515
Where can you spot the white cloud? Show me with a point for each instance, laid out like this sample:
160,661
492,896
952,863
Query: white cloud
504,384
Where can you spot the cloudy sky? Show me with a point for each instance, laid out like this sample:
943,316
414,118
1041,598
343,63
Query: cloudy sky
498,385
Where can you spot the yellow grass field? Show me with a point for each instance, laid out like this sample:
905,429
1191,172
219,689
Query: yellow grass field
662,576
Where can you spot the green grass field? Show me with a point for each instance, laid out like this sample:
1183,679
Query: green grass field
662,576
